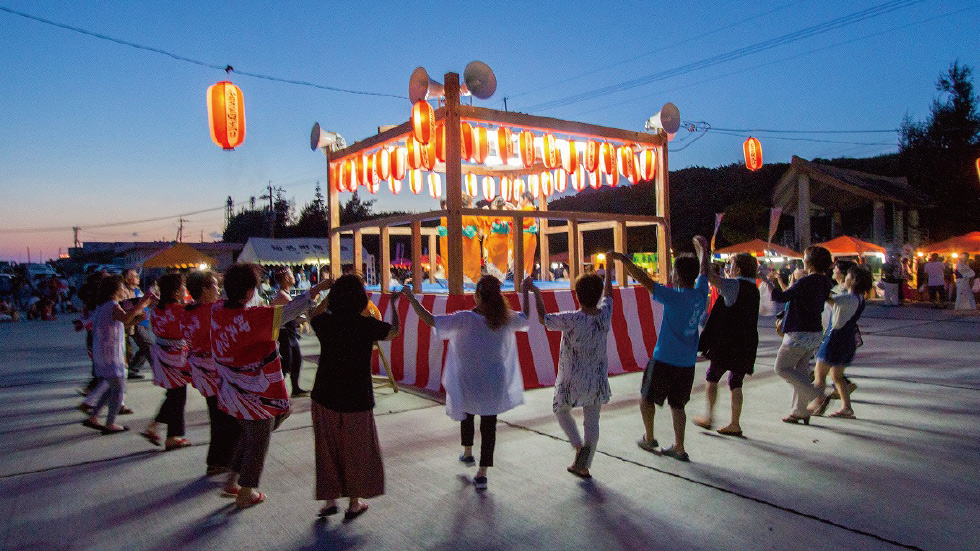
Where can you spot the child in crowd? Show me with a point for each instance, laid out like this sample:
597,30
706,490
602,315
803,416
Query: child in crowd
669,374
583,376
840,342
482,375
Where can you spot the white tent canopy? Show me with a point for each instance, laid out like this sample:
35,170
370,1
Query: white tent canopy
298,251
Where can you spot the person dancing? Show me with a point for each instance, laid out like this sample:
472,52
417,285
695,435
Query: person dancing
497,241
347,450
168,359
292,357
530,235
482,375
472,251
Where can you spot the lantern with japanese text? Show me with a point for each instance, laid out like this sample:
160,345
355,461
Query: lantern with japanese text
399,163
505,144
506,188
489,188
370,176
348,178
471,185
549,152
415,181
226,115
595,180
466,141
607,158
481,145
527,148
423,122
592,149
413,150
428,152
435,185
753,153
569,157
647,163
625,158
441,143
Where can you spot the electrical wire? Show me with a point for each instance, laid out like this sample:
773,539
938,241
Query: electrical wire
745,135
738,53
178,57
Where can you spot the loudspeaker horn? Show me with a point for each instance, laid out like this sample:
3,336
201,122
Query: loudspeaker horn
421,87
668,120
479,80
321,139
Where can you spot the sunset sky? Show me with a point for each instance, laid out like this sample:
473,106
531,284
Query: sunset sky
96,132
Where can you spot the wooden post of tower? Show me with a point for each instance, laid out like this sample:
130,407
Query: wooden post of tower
333,222
663,210
518,235
454,186
543,245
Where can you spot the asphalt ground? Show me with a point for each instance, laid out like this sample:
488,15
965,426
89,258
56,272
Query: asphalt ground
901,476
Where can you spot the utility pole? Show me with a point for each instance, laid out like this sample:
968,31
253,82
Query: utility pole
180,231
272,211
75,231
229,210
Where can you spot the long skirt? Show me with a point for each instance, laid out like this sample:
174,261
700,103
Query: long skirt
964,295
348,454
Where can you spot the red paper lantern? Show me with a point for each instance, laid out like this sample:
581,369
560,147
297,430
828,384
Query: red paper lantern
428,152
534,185
335,176
753,153
561,181
595,180
592,149
395,186
371,175
360,170
625,157
506,188
441,143
435,185
415,181
527,148
612,179
647,161
549,152
423,122
505,144
569,158
226,114
374,184
481,145
399,163
465,141
607,158
348,178
382,164
579,179
517,189
413,149
547,185
471,185
489,188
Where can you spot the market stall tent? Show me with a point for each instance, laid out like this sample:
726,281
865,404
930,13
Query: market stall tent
301,251
846,245
180,255
759,249
966,243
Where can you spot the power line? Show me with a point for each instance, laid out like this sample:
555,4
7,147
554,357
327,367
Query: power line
186,59
108,225
785,39
745,135
888,131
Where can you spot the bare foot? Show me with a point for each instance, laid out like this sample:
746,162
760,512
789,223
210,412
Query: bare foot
702,421
731,429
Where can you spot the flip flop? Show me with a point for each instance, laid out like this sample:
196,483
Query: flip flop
578,473
177,444
228,493
92,425
729,432
843,414
327,511
252,502
107,430
153,437
349,516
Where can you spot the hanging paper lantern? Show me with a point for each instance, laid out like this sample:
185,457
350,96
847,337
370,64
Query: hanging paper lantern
607,158
534,185
579,179
348,176
371,176
517,189
547,184
360,165
428,155
226,115
399,163
465,141
595,180
471,185
549,152
395,185
335,176
527,148
612,179
647,161
414,151
374,185
481,145
382,164
561,181
415,181
441,143
625,157
592,149
569,157
435,185
506,188
489,188
423,122
505,144
753,153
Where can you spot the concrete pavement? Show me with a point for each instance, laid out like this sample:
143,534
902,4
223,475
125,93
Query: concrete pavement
902,476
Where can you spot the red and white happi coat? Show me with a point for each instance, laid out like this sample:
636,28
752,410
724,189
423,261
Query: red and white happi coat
169,352
196,327
246,353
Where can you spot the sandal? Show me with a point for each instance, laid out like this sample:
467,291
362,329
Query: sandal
225,492
327,511
795,419
351,515
843,414
153,437
821,407
259,498
111,430
92,424
648,445
729,432
177,443
680,456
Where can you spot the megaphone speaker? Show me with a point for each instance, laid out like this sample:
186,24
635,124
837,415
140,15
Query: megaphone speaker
479,79
421,87
668,120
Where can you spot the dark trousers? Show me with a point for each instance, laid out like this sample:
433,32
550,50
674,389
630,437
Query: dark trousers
144,343
292,359
253,445
488,436
172,411
224,435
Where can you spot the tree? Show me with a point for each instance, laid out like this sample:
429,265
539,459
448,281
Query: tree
938,154
355,210
245,224
313,218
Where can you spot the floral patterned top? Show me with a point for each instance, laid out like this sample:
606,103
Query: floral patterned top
583,377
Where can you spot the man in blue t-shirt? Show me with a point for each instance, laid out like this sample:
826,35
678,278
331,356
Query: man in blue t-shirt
669,375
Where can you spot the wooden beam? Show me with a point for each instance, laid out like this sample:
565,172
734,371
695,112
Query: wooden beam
433,239
385,260
543,244
619,244
548,124
333,223
663,211
454,186
358,254
517,234
417,257
573,267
